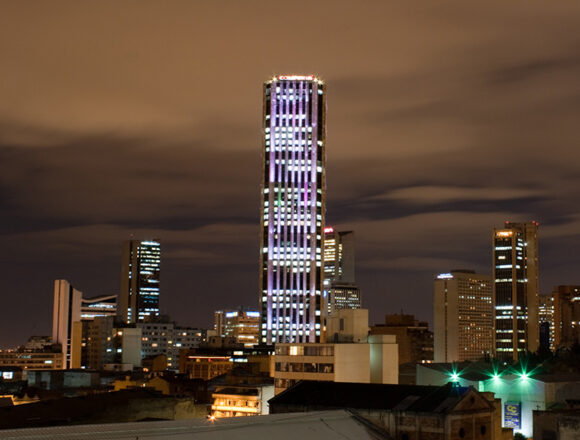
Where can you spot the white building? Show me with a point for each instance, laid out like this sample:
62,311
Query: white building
353,357
463,316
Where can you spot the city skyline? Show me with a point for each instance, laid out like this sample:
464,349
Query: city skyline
153,128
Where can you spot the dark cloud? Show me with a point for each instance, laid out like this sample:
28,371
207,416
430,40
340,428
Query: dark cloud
443,121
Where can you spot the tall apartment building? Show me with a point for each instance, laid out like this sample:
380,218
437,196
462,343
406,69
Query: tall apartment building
414,338
66,322
140,270
339,271
463,316
515,288
293,210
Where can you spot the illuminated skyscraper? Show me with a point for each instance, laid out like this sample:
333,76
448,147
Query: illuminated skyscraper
515,275
293,208
339,280
140,268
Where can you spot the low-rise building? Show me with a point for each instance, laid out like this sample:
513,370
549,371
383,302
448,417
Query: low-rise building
62,379
521,392
34,360
206,367
241,400
353,356
414,338
563,424
405,412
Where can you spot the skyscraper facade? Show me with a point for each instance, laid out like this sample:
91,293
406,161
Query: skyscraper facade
66,322
515,287
339,278
463,317
140,269
293,210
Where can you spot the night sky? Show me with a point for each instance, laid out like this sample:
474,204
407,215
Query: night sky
444,119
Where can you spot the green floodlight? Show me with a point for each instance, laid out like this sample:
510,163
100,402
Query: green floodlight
454,377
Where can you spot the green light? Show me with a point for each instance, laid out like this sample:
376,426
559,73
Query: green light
454,377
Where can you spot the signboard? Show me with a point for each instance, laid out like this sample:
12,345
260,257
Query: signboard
512,415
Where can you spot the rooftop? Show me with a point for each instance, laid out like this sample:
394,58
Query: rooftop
333,395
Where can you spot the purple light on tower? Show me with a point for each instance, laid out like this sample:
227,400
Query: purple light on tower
293,207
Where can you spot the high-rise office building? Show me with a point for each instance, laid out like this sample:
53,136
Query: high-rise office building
66,322
293,210
463,317
140,269
339,279
338,256
515,287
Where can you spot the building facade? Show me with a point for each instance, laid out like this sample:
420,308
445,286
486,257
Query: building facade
375,361
515,288
292,210
566,318
140,271
546,318
168,339
98,306
463,317
243,326
414,338
339,271
32,360
66,322
241,400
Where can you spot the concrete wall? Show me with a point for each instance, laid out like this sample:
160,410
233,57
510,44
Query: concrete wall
384,359
352,363
131,346
350,325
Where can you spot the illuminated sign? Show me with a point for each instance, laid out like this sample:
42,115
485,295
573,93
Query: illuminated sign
328,230
512,417
504,234
253,314
444,276
231,314
296,77
7,375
